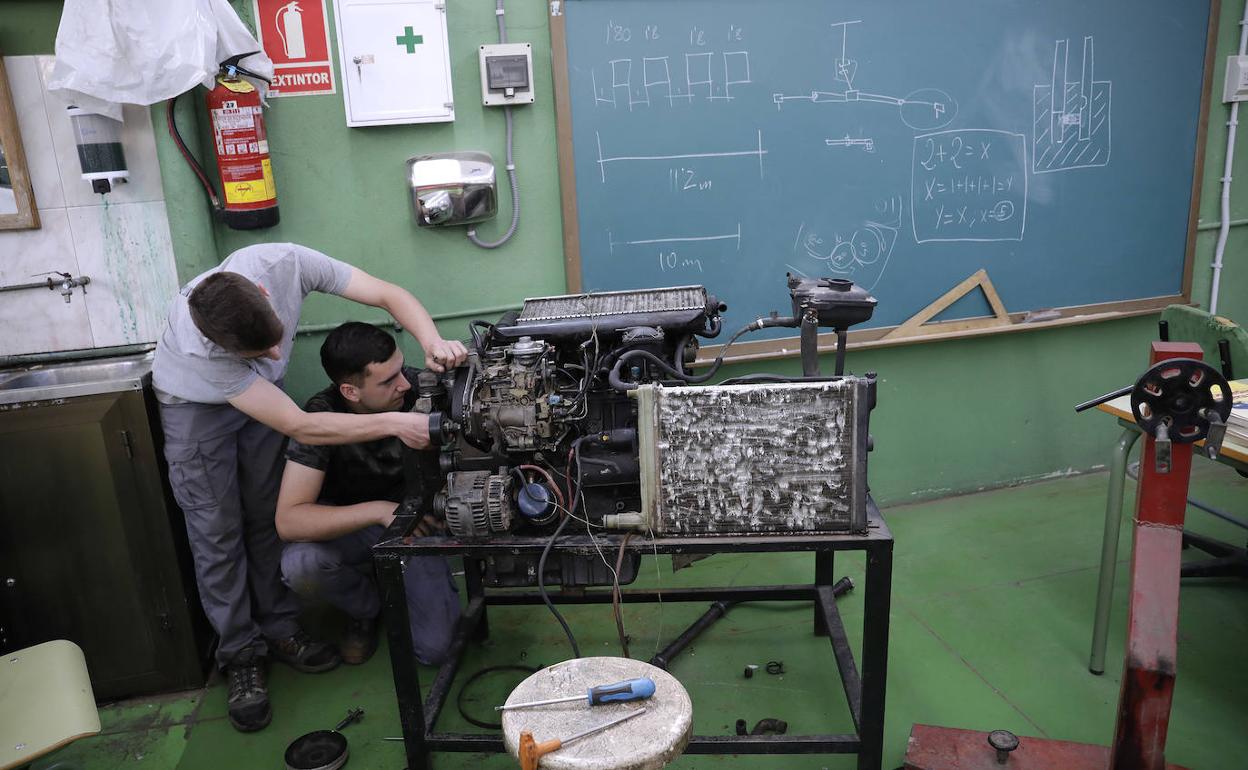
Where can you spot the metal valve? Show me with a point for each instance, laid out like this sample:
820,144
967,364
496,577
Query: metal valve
1004,742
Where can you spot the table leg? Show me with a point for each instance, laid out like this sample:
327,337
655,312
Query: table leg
1109,547
825,565
473,581
403,659
875,654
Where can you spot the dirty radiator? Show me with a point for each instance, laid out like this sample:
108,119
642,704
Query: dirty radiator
759,457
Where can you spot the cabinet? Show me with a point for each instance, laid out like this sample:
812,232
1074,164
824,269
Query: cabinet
92,548
396,62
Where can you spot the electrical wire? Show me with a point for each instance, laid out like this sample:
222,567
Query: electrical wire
459,700
617,598
541,586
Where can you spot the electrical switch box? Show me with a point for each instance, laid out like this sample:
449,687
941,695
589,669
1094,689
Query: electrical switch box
1235,89
396,61
506,74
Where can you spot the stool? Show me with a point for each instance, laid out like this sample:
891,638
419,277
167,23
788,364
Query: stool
643,743
45,701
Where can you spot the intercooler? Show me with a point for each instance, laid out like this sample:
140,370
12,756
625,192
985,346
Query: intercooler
675,309
752,458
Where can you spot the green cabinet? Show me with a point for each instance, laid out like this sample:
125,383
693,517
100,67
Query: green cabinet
92,548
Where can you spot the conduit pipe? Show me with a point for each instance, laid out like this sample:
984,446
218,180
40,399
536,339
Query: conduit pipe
1225,228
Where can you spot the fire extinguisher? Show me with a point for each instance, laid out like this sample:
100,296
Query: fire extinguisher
242,151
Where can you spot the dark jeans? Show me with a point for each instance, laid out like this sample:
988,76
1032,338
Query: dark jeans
340,571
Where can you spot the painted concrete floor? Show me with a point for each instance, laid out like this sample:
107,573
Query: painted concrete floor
992,614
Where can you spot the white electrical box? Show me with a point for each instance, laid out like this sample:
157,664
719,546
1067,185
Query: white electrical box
396,61
506,74
1235,89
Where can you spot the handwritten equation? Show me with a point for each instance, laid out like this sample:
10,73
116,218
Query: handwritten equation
969,185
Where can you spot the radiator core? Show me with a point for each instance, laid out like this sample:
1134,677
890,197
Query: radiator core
774,457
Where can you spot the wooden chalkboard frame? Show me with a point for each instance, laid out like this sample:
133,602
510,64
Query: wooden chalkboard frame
759,350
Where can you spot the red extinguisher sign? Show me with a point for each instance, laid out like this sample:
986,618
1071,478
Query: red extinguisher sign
295,35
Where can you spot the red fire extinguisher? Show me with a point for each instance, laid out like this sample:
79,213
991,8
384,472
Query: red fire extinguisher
242,151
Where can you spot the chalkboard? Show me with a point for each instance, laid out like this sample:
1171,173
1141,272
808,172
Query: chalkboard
904,145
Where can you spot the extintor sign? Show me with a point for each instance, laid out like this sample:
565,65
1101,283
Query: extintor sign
295,35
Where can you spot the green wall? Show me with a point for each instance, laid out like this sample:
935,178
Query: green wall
952,417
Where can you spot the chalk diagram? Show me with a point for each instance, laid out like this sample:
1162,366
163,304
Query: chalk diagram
926,109
701,69
866,144
754,152
863,253
1072,110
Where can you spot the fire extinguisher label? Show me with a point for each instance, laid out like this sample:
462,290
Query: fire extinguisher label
242,151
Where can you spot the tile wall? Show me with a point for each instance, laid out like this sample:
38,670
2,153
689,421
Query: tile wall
120,240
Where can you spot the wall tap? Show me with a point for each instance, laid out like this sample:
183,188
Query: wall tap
65,282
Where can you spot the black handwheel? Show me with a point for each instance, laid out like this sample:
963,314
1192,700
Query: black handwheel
1182,394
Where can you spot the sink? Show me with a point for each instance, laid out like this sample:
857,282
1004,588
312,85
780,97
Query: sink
82,378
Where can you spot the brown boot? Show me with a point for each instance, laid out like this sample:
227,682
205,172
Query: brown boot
359,642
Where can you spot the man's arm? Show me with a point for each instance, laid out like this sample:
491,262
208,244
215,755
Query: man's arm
300,519
265,402
440,354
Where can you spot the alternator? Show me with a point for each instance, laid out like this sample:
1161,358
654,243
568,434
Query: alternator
476,503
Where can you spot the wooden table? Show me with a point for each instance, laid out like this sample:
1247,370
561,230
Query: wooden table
1233,454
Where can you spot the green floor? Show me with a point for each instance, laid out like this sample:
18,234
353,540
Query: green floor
991,624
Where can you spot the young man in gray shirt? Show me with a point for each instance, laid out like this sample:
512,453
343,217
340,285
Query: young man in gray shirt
217,373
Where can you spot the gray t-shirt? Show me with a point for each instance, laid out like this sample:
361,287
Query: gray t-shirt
191,368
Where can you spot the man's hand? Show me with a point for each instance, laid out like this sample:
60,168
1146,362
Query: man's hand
441,354
412,428
387,516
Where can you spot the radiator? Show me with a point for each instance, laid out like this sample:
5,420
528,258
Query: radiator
754,458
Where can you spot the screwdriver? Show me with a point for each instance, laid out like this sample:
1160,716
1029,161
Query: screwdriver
630,689
531,751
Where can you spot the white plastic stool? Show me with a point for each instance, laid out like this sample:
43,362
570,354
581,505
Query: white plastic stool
644,743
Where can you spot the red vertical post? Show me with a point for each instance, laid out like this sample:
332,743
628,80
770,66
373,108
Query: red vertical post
1152,623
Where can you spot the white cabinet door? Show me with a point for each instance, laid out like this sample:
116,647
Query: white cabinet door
396,65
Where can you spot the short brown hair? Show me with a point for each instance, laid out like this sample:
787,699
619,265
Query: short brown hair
231,311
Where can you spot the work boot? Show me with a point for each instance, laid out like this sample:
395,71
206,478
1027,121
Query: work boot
248,699
360,641
303,653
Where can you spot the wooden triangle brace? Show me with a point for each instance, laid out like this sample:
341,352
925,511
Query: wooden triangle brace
914,326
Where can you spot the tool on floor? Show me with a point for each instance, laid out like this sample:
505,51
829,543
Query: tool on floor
618,692
322,749
1177,402
531,751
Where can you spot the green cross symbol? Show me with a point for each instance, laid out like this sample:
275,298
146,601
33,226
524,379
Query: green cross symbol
409,39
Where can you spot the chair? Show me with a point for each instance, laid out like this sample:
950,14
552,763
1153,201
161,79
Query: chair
1225,344
46,701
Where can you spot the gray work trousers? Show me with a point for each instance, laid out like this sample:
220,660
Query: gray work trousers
225,469
340,571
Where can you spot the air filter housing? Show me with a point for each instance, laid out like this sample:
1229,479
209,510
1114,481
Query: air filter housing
754,458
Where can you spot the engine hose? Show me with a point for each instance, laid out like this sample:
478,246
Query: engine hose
511,164
619,384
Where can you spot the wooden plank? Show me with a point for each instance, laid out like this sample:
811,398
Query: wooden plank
563,141
768,350
1202,135
27,215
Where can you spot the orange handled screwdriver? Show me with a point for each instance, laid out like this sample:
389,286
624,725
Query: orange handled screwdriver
531,751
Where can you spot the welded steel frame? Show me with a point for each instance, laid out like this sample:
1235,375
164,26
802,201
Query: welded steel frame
864,687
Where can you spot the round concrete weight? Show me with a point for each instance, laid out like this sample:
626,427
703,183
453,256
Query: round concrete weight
642,743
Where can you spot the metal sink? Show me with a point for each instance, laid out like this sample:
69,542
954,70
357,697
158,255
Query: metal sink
82,378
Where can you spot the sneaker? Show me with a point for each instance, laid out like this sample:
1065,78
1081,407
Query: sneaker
248,699
360,641
303,653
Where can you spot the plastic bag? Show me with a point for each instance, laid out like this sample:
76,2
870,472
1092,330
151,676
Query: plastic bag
114,52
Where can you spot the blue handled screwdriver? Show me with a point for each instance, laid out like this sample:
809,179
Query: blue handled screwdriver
630,689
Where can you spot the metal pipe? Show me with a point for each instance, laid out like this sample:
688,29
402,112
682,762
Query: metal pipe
50,283
1225,217
1109,548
